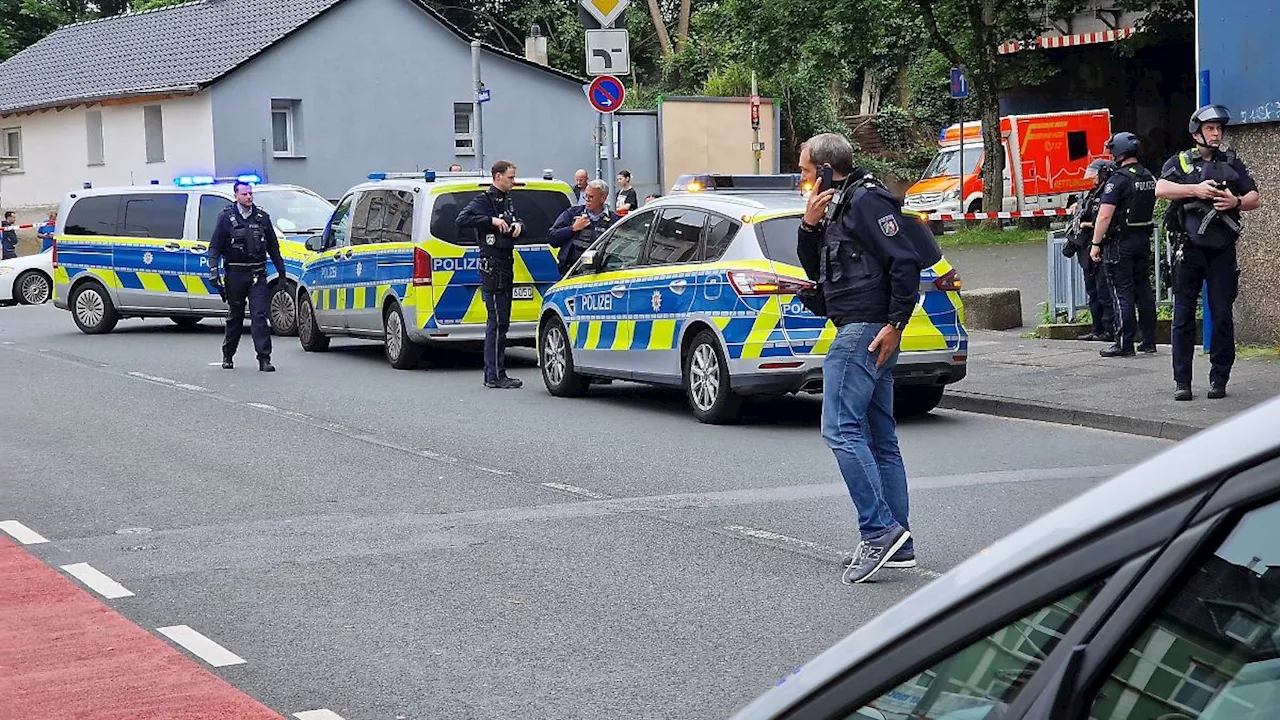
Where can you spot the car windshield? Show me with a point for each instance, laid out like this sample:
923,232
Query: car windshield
537,209
778,239
294,211
947,163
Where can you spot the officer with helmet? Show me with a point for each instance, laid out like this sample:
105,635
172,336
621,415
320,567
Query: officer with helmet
1101,308
1209,188
1122,242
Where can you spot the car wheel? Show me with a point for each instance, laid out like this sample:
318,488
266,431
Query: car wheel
706,381
32,287
92,309
913,401
555,356
308,329
184,322
402,352
283,309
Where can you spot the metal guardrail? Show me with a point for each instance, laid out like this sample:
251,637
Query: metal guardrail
1067,294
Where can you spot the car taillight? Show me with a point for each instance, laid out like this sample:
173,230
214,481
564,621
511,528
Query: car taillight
55,252
421,267
949,282
751,282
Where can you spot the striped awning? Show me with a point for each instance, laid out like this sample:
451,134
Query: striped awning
1061,41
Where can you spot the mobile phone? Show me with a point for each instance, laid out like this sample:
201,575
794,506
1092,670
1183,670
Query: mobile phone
825,180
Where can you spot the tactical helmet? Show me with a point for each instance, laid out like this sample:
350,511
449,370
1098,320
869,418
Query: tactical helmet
1208,113
1122,144
1100,168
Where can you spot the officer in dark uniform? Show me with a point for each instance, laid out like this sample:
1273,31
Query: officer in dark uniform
491,216
244,237
578,227
866,258
1122,242
1209,188
1079,240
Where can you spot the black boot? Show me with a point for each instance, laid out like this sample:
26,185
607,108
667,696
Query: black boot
1117,351
265,365
227,364
1217,390
1183,392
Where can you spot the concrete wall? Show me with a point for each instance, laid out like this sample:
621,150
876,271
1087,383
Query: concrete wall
713,135
639,150
55,150
376,81
1257,312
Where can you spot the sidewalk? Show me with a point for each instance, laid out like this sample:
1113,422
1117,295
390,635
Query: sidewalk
1066,381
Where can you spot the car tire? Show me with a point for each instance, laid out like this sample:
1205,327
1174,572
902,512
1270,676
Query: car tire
92,309
916,400
706,381
402,352
32,288
283,310
309,334
185,322
555,357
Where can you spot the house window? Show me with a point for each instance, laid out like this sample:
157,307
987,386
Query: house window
1197,687
93,136
153,128
285,135
464,142
1243,628
11,145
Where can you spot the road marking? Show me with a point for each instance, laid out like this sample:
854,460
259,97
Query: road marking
321,714
575,490
22,533
774,537
168,382
201,646
97,581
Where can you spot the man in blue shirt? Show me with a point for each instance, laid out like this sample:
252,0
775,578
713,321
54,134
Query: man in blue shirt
46,231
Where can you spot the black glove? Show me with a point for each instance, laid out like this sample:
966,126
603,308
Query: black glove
216,281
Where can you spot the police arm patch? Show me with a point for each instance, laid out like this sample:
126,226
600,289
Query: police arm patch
888,225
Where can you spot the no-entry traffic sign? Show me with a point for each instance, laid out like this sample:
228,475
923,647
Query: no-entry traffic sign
606,94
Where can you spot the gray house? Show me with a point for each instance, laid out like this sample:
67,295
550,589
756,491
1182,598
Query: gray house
314,92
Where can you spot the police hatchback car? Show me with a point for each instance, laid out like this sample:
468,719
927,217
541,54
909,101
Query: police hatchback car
699,289
391,264
140,251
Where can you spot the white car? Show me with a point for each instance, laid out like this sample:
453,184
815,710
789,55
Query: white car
27,279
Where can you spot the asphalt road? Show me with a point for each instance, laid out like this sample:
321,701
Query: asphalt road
391,544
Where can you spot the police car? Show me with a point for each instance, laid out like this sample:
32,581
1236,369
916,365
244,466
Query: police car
699,289
140,251
391,264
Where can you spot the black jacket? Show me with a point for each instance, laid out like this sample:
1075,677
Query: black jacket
245,243
477,219
575,243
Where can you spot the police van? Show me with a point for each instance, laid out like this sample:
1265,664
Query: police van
141,251
391,264
699,289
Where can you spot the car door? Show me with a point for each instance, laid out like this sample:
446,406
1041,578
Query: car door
151,254
324,270
202,295
359,271
662,292
601,301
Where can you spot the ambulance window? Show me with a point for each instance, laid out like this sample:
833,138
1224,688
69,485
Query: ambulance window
155,215
211,206
1077,145
93,216
676,238
719,236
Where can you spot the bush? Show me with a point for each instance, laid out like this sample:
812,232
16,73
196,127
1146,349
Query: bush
894,125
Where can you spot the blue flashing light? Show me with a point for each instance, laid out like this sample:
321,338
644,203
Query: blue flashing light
251,178
429,176
155,182
88,185
193,180
377,176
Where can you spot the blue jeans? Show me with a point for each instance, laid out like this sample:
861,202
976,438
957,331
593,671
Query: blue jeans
858,426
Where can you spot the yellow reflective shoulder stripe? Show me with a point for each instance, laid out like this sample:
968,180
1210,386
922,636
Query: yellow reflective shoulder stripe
1184,159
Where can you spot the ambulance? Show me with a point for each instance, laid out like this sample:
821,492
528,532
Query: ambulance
1045,159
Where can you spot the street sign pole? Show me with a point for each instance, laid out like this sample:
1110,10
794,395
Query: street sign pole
604,13
477,108
755,121
960,91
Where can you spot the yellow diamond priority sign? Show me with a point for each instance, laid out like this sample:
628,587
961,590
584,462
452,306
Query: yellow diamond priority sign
605,11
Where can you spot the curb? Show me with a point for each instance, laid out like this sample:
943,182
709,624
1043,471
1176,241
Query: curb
1045,412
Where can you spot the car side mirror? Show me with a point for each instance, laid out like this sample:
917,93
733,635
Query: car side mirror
315,243
591,261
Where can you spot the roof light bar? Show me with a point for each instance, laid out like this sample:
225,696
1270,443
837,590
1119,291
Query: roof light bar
194,180
428,176
709,182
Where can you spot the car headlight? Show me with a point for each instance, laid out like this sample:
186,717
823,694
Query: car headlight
952,195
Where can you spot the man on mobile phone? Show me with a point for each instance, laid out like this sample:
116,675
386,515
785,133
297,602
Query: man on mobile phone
578,227
866,258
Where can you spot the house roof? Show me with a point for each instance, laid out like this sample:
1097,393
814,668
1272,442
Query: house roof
179,48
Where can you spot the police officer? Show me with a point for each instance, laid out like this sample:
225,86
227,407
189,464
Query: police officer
1122,242
244,237
578,227
866,258
1209,188
1101,307
491,216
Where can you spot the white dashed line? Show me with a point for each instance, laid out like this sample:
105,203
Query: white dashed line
201,646
22,533
816,547
168,382
576,490
318,715
97,581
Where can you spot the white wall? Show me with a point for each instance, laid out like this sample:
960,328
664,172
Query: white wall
55,149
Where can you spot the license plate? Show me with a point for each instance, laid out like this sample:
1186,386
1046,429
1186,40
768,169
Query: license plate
522,292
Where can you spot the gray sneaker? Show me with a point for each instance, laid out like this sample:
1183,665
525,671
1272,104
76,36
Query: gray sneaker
874,554
903,559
